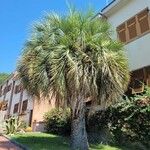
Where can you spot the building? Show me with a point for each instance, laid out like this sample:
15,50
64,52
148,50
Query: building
16,101
131,21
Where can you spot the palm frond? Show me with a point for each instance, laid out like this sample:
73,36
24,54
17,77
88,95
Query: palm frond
73,55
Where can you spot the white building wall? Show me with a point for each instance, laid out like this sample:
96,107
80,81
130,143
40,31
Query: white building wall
138,51
8,94
28,97
16,99
2,96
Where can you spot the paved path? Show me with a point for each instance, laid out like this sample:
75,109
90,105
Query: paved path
5,144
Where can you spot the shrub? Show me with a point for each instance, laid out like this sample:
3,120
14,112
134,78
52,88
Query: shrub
97,127
23,124
57,121
128,120
131,120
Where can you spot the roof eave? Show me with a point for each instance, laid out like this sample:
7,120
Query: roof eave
110,6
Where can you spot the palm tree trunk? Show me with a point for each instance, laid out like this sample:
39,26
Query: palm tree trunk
79,139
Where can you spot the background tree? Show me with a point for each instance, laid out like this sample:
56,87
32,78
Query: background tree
3,77
73,57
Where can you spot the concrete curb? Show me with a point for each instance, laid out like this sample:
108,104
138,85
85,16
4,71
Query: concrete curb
16,143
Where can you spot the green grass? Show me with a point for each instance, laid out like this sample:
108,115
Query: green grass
103,147
43,141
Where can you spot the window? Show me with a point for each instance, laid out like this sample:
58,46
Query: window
24,106
139,78
18,89
143,20
1,91
134,27
5,91
9,87
16,108
122,32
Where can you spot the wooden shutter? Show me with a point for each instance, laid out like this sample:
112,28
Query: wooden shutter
132,30
9,87
16,108
1,91
143,20
24,106
148,76
18,88
1,105
4,91
121,30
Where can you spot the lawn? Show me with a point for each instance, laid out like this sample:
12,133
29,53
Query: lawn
43,141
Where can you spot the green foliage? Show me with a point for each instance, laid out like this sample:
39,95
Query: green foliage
57,121
74,56
23,124
12,125
128,121
3,77
146,91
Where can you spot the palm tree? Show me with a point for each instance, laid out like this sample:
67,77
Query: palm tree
73,57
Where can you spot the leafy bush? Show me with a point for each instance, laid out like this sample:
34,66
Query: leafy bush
131,120
97,127
128,120
57,121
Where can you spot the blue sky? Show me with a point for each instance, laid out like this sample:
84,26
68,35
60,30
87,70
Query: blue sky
17,17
